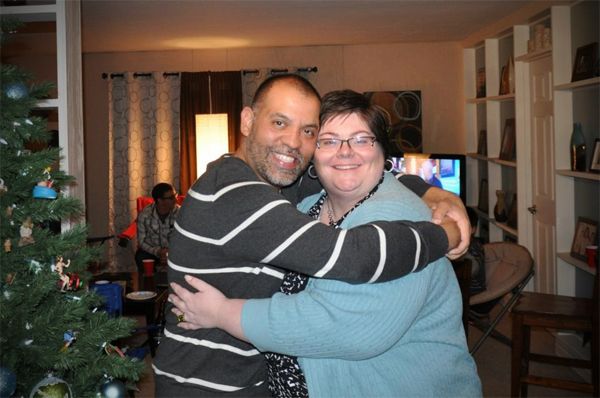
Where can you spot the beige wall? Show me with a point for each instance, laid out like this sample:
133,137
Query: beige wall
433,68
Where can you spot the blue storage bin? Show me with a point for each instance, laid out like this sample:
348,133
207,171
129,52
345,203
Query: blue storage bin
113,297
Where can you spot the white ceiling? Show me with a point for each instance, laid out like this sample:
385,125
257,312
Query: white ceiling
156,25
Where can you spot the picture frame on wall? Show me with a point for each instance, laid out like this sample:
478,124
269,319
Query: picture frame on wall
595,163
507,146
405,109
482,143
586,59
483,204
585,235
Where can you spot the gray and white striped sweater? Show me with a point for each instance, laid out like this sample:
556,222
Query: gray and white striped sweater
240,235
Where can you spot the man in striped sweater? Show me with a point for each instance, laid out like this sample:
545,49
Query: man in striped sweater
236,231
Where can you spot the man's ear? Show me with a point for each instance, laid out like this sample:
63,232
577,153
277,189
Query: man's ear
247,121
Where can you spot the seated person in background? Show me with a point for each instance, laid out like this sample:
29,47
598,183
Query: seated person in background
154,225
428,175
392,339
477,256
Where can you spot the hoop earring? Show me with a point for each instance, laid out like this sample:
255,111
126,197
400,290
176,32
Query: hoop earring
311,172
388,166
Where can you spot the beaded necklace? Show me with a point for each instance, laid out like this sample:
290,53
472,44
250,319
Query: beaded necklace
315,211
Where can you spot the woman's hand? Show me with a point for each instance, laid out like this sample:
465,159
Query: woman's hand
207,308
445,205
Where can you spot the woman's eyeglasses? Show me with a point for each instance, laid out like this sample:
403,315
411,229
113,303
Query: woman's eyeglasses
356,143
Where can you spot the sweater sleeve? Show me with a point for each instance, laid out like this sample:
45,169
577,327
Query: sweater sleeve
249,221
142,231
377,252
332,319
415,183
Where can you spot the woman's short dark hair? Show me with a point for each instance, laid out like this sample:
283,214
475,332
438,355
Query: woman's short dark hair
160,189
346,102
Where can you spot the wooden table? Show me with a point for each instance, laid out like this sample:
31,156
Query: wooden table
152,308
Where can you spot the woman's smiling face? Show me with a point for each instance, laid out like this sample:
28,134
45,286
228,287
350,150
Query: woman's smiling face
348,171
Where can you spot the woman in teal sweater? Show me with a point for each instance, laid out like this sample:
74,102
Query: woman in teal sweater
400,338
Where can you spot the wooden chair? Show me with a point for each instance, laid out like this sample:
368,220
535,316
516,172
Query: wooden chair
555,312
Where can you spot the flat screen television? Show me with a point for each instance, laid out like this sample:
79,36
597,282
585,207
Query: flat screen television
447,171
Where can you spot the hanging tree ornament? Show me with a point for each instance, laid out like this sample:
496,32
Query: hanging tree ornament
68,337
8,382
43,189
113,389
35,266
9,210
3,188
59,268
51,387
16,90
7,246
26,232
112,349
10,278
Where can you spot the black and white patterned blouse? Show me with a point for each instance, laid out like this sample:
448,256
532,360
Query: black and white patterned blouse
286,379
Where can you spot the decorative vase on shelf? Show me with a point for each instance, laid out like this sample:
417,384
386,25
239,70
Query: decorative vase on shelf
578,162
500,208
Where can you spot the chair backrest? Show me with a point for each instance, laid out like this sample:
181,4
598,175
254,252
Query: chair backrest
506,266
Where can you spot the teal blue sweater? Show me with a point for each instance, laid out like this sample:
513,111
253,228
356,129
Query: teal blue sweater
400,338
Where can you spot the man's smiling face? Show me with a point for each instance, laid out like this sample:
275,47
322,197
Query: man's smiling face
281,133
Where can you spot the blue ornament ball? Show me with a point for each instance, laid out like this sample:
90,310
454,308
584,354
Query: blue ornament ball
8,382
16,90
113,389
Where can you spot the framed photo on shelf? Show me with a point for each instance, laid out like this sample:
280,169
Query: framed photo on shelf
595,163
480,83
586,59
504,82
483,196
482,143
585,235
507,146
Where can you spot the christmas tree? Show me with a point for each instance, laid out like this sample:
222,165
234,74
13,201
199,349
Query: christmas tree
54,337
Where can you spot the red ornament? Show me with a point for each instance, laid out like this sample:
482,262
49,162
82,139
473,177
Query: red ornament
73,282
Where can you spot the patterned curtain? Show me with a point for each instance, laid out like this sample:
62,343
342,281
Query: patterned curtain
144,148
251,79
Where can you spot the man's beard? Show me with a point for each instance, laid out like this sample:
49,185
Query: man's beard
260,156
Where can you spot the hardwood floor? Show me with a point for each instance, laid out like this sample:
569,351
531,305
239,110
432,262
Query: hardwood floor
493,364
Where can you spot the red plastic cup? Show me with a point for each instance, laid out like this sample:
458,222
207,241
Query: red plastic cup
148,267
591,252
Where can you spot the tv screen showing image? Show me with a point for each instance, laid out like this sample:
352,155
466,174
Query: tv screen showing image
446,171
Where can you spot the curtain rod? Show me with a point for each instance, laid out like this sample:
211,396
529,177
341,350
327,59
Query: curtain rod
274,71
136,74
105,75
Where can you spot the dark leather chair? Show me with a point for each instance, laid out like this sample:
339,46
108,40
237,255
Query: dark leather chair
508,269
